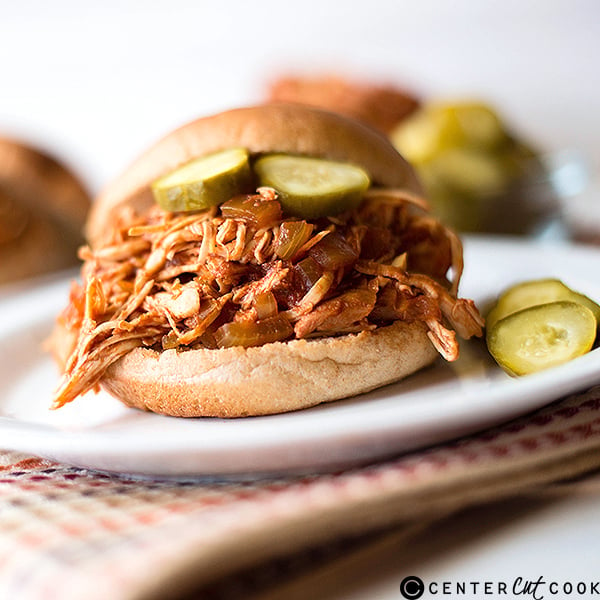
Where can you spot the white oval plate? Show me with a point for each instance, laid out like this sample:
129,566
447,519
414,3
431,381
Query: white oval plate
440,403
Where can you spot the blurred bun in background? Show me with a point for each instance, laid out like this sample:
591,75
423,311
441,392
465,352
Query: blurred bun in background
43,207
382,106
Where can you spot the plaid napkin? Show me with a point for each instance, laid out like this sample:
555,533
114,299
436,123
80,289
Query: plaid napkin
67,532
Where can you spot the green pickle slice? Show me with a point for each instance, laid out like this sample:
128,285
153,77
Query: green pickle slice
540,291
203,182
312,187
542,336
438,127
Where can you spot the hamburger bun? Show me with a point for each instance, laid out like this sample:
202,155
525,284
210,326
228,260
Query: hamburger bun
43,207
379,105
273,378
278,376
269,128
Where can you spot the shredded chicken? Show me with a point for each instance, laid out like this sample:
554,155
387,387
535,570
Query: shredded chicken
202,280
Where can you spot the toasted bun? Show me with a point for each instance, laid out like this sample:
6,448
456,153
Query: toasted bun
275,377
43,207
287,128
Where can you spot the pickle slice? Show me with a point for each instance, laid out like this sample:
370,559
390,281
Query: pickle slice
539,291
470,171
312,187
438,127
473,123
542,336
204,182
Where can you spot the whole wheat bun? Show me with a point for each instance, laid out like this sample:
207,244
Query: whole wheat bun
281,376
43,208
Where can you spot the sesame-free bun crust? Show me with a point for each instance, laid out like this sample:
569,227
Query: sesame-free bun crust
274,378
268,128
44,206
281,376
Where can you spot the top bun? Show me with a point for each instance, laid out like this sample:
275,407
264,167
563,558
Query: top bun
43,208
269,128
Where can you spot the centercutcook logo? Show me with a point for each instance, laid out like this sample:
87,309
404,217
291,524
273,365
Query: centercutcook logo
413,587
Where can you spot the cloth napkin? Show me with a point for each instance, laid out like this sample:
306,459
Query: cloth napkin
69,533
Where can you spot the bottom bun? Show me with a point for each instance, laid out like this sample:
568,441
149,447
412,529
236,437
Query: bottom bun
274,378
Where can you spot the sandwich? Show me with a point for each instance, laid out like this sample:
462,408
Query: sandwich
258,261
43,207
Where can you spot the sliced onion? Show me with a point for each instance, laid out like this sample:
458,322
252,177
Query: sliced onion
253,209
253,333
333,252
265,305
308,272
292,236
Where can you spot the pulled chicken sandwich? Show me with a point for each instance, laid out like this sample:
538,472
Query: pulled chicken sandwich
258,261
